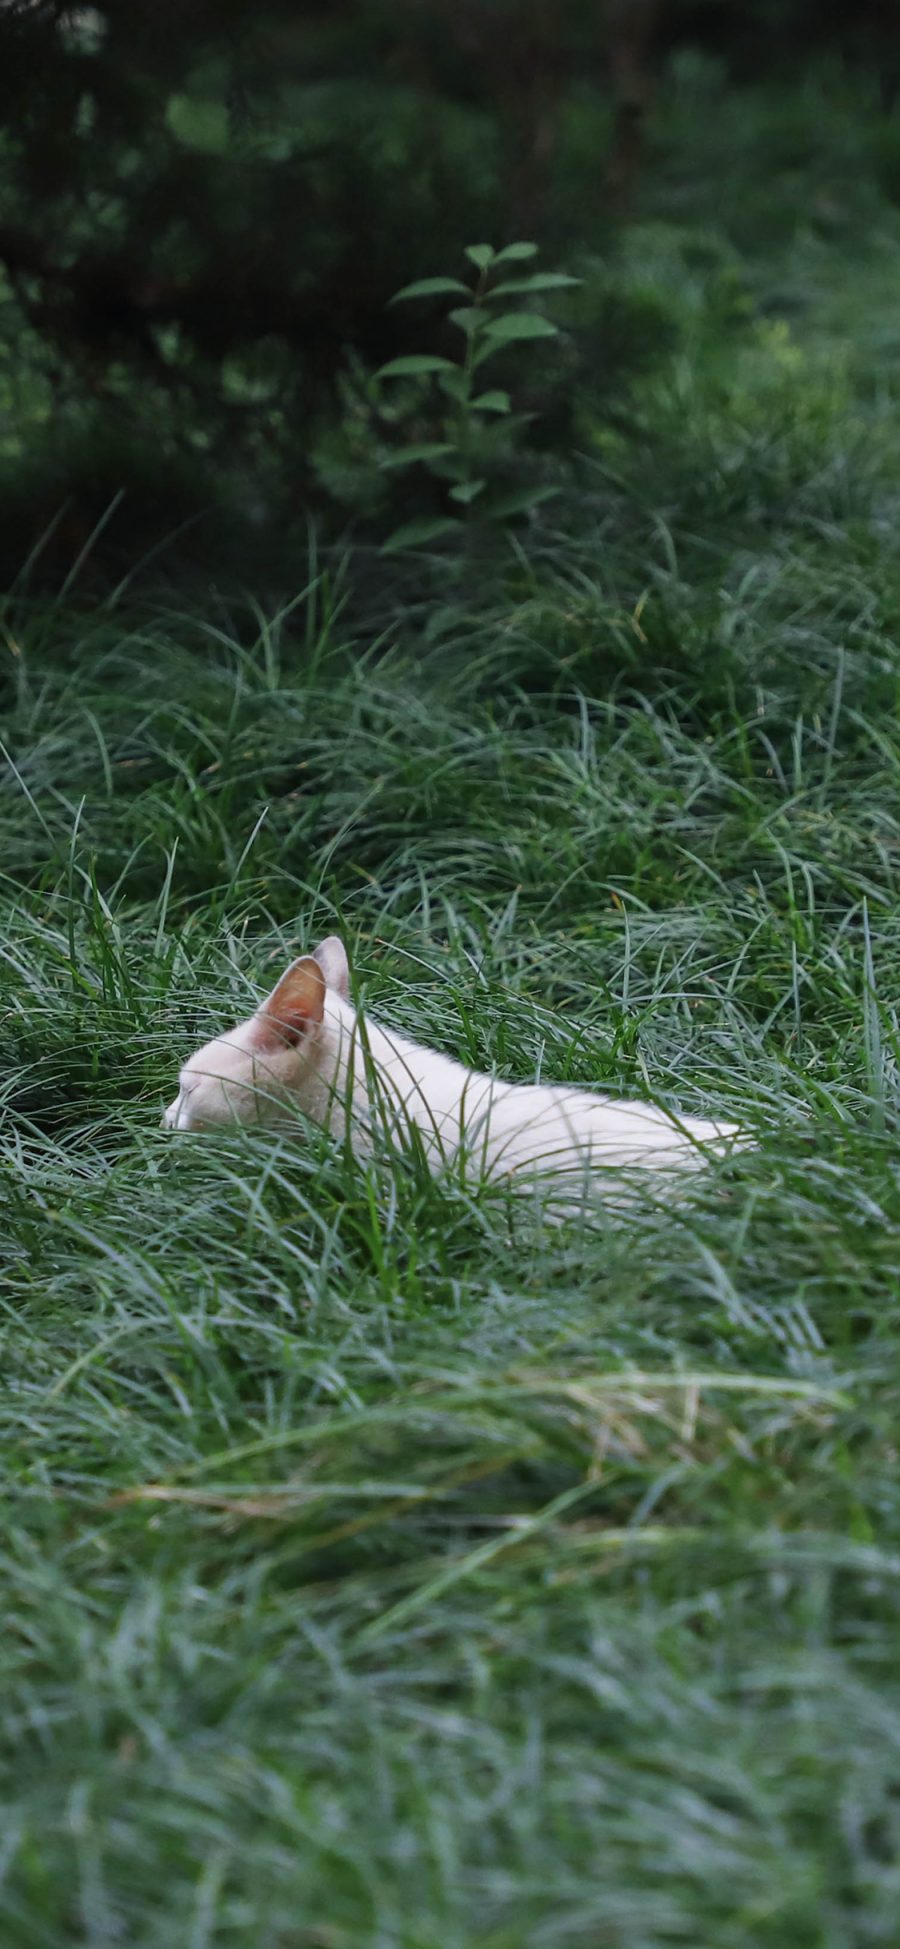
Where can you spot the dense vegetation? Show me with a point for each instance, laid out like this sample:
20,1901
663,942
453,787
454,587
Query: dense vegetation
380,1570
205,212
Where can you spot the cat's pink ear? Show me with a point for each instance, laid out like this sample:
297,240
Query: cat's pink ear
295,1004
331,955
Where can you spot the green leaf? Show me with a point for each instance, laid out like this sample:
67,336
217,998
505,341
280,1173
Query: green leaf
414,534
520,502
430,287
519,325
480,254
470,318
413,363
454,383
491,402
426,450
515,253
537,281
468,490
199,124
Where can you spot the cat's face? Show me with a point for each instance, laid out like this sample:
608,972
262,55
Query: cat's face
255,1073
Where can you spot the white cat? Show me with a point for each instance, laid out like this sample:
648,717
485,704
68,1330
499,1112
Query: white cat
306,1048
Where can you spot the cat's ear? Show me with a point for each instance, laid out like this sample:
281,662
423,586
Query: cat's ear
296,1004
331,955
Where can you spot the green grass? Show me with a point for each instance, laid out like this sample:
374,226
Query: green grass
379,1569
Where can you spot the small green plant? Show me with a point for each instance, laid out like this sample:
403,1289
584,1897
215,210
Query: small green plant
470,436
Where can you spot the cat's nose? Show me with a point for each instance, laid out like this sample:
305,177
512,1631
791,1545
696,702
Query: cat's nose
170,1116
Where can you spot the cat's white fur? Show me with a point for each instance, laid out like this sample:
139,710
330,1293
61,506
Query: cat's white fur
306,1048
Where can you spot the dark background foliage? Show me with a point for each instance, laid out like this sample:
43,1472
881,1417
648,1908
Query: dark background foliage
205,209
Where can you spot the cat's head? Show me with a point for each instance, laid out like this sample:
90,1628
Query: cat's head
257,1071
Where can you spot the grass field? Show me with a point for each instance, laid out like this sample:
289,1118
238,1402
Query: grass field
379,1570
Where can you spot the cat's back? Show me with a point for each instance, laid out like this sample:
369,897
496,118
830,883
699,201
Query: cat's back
551,1127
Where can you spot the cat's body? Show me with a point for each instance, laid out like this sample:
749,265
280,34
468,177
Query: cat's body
306,1048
